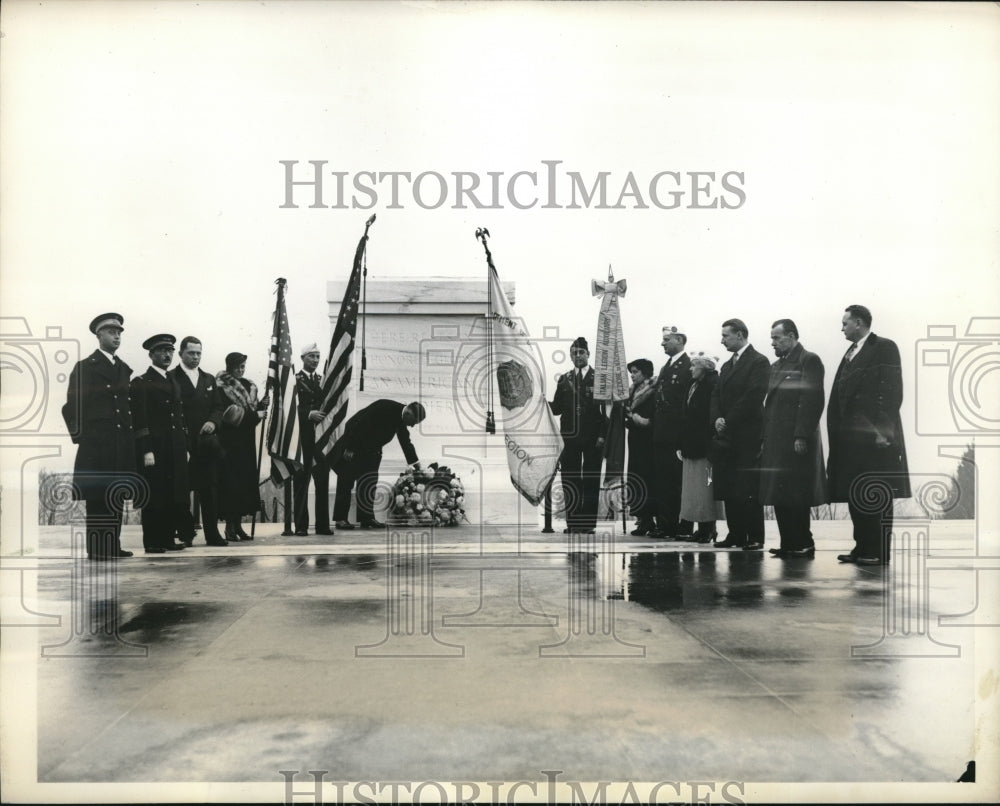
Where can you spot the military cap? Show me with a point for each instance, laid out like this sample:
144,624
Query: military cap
159,340
309,348
107,320
673,330
581,343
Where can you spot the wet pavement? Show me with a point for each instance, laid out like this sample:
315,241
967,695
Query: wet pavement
483,655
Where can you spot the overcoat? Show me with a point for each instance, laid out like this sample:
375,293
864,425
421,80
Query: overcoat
792,410
698,427
864,403
98,417
739,397
238,489
158,422
371,429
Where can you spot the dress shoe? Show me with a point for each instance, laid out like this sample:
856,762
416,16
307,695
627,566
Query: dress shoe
216,541
301,532
188,543
777,551
847,558
243,535
345,525
754,547
640,531
729,543
705,537
778,554
156,551
808,551
657,534
326,532
870,561
231,536
372,524
174,547
123,553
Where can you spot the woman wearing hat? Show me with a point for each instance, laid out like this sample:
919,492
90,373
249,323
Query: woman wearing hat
698,503
237,412
639,422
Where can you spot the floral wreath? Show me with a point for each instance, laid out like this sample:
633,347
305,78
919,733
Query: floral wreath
431,496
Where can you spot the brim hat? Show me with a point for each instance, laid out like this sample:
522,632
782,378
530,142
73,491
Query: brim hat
107,320
644,365
233,360
159,340
309,348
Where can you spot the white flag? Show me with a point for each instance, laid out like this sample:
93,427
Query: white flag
528,425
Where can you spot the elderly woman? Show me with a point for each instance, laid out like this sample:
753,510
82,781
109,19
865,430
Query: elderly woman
698,503
639,422
236,414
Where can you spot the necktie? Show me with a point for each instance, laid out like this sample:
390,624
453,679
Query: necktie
315,378
736,357
850,351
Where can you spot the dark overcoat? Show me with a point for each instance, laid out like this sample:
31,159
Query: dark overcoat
158,423
792,410
864,403
640,448
739,398
698,427
239,493
371,429
581,418
672,384
98,417
198,403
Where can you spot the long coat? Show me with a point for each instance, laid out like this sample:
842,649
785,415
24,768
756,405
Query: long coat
198,403
158,422
739,398
864,403
672,384
98,417
238,489
698,426
792,410
371,429
640,451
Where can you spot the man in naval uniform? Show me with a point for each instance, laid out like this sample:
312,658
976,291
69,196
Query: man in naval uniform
160,445
99,421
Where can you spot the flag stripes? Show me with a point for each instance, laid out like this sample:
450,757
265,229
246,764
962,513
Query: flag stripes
339,368
283,440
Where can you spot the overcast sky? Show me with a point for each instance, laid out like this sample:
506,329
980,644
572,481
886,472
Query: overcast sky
142,147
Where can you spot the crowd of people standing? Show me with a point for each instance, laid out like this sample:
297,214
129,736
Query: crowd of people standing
708,442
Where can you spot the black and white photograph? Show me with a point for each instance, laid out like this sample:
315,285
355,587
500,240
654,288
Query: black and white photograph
498,402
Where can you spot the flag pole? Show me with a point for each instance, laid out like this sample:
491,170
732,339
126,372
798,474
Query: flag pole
482,234
364,306
280,282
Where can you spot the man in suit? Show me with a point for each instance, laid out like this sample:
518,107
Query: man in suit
309,391
160,445
867,465
738,413
99,420
357,455
583,425
792,478
197,399
672,385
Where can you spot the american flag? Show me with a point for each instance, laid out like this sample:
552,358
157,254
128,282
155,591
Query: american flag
340,360
283,442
